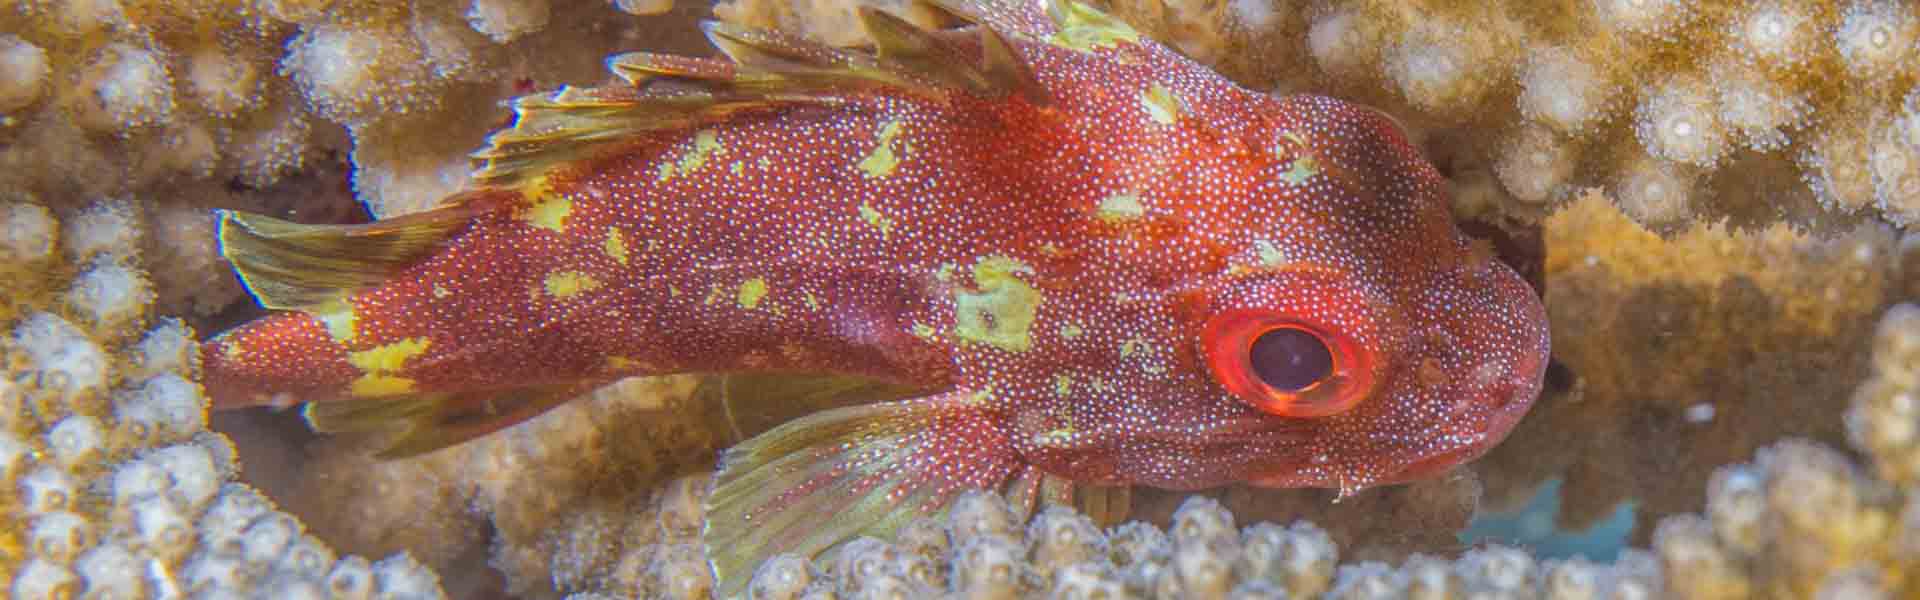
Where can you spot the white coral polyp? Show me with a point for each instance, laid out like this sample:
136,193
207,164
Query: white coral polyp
1562,91
350,74
1896,176
1336,42
27,232
23,73
1774,33
508,20
1534,164
1679,122
60,356
1653,194
1876,38
110,225
111,293
130,90
1436,67
1649,17
1757,111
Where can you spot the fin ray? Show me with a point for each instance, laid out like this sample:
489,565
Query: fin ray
753,403
763,70
427,422
290,266
815,482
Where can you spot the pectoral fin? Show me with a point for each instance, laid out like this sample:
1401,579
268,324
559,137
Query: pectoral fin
815,482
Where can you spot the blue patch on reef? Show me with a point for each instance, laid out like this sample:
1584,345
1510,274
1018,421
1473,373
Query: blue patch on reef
1532,526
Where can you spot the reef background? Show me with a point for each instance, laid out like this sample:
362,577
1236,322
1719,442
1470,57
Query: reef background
1717,198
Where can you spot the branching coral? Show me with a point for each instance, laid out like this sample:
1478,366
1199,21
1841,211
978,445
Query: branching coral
122,121
114,488
179,107
1706,345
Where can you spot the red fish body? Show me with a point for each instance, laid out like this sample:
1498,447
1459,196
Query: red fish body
1101,262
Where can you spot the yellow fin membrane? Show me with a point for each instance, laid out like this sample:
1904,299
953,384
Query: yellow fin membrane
815,482
290,266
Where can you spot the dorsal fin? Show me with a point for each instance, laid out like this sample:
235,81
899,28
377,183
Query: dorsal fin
998,72
764,69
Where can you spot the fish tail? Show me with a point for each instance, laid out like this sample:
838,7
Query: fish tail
309,273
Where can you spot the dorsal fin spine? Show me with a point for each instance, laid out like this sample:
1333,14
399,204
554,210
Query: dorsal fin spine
659,92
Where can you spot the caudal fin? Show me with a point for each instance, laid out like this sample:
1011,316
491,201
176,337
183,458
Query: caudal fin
311,271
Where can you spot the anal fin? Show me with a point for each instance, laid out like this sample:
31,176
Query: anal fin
815,482
428,422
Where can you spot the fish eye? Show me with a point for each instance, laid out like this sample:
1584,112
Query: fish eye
1285,366
1290,359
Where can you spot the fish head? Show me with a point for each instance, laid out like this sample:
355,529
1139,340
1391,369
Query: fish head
1362,336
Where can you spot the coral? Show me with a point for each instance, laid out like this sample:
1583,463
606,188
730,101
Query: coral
122,123
588,498
115,487
1707,344
136,100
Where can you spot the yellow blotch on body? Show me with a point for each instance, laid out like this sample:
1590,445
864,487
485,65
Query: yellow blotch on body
1300,170
380,363
549,212
1062,384
1120,207
567,284
1298,151
1161,104
389,357
338,319
1001,309
752,291
706,143
876,219
615,246
1270,255
883,159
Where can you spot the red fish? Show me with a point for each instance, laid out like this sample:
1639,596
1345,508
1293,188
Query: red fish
1095,262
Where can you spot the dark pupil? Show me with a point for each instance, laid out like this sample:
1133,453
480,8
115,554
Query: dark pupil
1289,359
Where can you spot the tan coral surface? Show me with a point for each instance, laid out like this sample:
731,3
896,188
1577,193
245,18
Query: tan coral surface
123,121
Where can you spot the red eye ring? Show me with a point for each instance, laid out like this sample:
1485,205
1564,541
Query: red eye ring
1306,389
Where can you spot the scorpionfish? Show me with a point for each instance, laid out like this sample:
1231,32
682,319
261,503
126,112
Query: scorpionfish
1057,257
